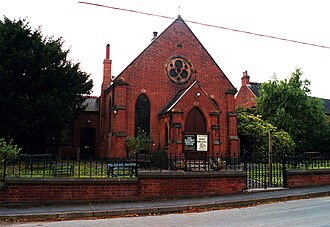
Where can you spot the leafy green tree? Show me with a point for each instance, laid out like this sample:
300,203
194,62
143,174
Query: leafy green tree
254,134
287,104
41,91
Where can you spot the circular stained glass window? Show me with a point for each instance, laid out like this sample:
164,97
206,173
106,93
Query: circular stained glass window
179,69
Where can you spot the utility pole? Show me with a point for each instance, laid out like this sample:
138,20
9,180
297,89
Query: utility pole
270,156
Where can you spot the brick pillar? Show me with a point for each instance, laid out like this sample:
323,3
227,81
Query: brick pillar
232,123
215,142
119,128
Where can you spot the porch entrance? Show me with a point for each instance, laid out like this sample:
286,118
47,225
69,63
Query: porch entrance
195,140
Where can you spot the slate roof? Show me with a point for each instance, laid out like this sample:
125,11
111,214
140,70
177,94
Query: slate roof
326,103
254,87
92,104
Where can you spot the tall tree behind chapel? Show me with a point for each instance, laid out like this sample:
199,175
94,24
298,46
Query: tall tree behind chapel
287,104
41,91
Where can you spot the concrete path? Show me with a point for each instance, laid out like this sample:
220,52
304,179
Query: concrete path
161,206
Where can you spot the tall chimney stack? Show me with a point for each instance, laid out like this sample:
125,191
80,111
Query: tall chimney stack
245,79
107,52
106,69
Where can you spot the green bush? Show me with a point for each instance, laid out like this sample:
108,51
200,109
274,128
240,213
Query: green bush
8,150
139,144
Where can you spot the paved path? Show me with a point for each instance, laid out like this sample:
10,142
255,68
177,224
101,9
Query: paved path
161,206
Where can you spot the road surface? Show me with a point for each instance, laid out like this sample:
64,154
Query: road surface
305,212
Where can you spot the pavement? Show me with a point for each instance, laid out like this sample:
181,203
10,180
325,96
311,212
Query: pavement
247,198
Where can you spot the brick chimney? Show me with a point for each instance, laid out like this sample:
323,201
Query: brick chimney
245,78
106,69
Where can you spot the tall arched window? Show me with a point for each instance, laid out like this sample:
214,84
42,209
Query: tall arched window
142,114
195,121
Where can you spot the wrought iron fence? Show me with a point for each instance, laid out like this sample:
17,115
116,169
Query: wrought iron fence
27,167
308,161
263,174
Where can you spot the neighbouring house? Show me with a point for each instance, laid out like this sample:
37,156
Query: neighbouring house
327,108
249,92
173,90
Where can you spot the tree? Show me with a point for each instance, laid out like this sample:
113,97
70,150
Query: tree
41,91
253,132
287,104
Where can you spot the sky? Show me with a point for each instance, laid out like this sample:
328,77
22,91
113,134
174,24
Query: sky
87,29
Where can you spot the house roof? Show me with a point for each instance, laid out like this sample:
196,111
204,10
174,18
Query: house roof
254,87
92,104
326,103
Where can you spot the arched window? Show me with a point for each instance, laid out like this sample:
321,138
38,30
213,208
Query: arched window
142,114
195,121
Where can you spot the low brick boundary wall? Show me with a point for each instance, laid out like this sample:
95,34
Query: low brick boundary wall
147,186
304,178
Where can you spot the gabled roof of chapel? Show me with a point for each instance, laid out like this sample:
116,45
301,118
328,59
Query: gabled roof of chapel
175,99
177,20
180,95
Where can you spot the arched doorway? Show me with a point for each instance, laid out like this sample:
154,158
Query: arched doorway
195,121
195,135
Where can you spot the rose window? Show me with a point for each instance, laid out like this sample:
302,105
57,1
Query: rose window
179,70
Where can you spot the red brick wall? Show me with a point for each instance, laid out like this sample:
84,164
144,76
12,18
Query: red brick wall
147,186
51,191
146,74
169,185
304,178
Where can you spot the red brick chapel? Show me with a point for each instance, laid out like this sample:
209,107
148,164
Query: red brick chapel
173,90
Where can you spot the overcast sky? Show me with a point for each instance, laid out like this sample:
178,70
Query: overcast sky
87,29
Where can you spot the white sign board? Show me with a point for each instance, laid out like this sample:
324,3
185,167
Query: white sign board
201,142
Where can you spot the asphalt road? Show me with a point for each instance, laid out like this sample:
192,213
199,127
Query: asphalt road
305,212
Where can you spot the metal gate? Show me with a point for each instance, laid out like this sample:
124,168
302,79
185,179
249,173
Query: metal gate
264,173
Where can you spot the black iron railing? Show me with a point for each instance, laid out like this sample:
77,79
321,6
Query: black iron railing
262,174
116,167
308,161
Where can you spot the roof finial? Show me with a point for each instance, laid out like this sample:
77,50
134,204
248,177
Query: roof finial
179,10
